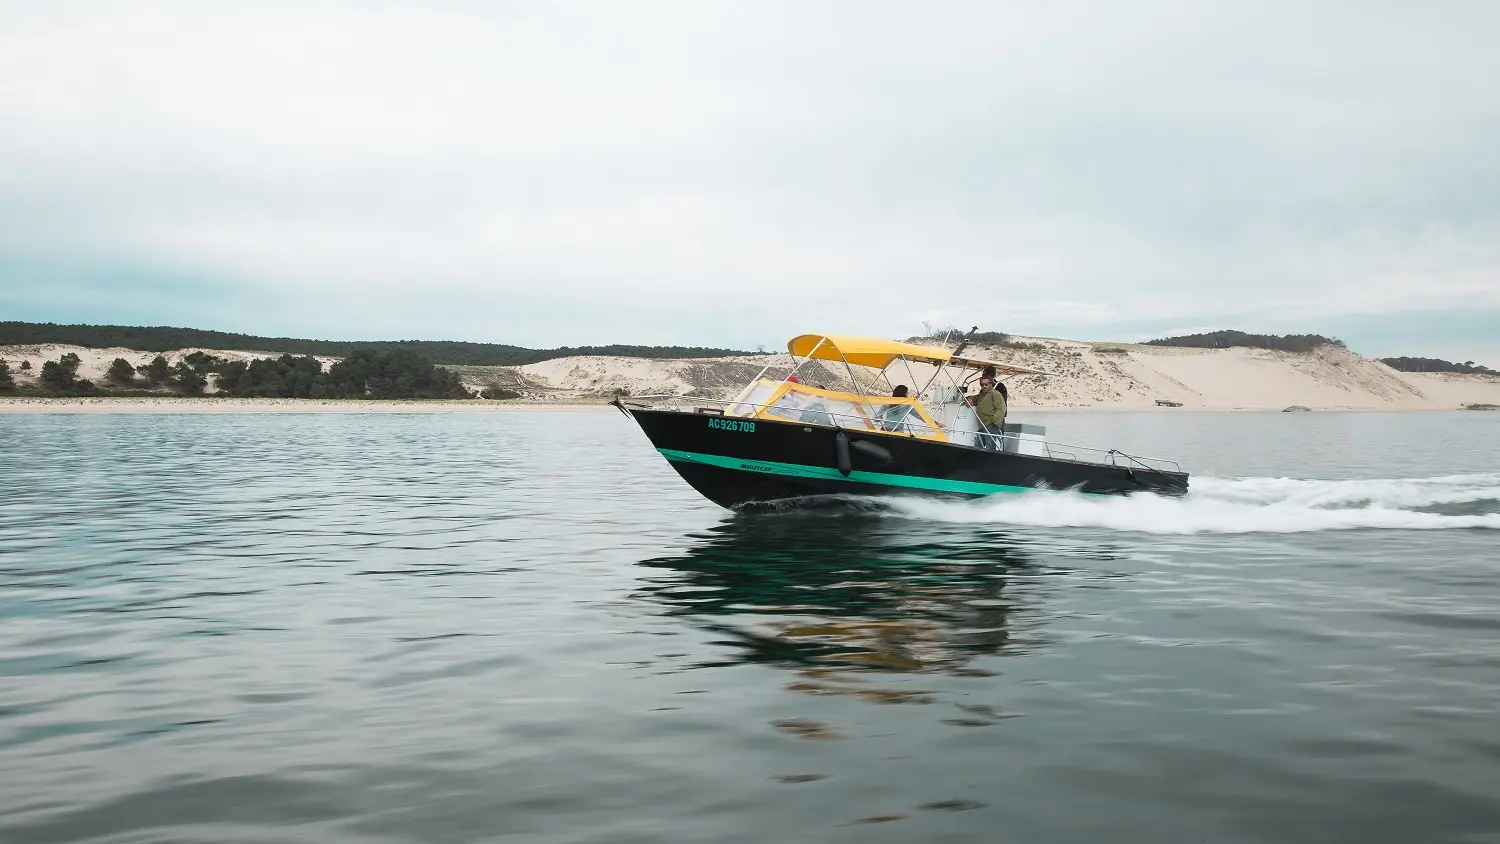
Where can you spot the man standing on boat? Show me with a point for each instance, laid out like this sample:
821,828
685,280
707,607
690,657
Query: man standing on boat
990,404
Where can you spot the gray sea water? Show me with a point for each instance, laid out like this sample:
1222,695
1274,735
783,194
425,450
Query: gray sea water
465,628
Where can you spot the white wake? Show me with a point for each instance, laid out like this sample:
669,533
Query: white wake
1244,505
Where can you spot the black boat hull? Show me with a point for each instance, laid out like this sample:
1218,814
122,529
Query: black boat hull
738,462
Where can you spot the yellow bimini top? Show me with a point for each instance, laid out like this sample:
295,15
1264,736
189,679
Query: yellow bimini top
863,351
879,354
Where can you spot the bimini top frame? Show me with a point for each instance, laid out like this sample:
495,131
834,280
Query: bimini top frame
880,354
788,398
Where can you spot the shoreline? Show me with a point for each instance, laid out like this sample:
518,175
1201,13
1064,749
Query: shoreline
165,404
1087,378
211,405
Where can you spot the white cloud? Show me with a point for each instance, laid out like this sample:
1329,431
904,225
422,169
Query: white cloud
702,173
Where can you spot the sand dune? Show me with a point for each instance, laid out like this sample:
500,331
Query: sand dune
1086,376
1330,378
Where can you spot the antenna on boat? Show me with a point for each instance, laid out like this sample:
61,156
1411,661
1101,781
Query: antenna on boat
965,342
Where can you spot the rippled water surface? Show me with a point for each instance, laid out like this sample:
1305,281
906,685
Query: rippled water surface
456,628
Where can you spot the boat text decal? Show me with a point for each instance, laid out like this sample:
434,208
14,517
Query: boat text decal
732,425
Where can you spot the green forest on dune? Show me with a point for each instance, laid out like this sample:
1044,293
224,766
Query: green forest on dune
166,339
363,374
1228,339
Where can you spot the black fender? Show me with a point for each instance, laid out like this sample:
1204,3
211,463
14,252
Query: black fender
841,452
877,453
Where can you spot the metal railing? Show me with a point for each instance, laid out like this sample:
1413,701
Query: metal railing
996,442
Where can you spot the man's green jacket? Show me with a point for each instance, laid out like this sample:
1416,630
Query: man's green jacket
991,407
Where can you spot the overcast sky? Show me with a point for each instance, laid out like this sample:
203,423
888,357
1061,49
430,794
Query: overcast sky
735,173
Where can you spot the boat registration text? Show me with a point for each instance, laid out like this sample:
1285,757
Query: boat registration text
732,425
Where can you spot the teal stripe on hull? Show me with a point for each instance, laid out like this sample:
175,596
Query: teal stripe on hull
824,473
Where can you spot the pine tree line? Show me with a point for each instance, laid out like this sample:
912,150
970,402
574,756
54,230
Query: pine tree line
366,374
1228,339
1406,364
166,339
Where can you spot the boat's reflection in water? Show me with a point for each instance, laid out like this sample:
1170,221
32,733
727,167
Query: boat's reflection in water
829,594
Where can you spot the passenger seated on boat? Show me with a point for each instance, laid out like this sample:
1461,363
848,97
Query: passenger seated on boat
817,414
893,417
789,406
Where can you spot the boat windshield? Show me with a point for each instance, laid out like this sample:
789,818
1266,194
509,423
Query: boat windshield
794,402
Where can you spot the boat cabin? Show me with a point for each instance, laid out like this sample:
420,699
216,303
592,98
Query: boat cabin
937,383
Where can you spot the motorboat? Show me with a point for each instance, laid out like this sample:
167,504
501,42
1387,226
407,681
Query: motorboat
792,439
